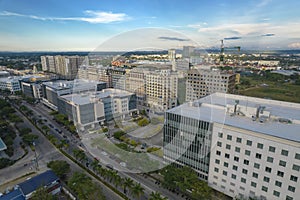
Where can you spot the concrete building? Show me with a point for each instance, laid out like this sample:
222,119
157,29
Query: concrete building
48,63
96,73
161,89
201,83
52,90
243,146
4,74
187,51
11,83
90,109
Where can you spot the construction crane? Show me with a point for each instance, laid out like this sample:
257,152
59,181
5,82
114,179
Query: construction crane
227,48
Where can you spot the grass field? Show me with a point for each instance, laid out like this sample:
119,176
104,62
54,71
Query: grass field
274,90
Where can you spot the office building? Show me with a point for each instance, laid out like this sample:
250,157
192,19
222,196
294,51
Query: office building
202,82
4,74
53,89
252,145
187,51
11,83
90,109
161,89
96,73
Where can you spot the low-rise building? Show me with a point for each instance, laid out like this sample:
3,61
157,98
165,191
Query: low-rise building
10,83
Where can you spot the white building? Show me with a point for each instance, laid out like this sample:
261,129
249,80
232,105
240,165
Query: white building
10,83
254,144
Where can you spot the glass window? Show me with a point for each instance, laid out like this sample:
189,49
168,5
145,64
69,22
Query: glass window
225,164
284,152
296,167
228,146
256,165
249,143
233,176
260,145
247,152
246,162
266,179
220,135
237,149
216,169
239,140
289,198
243,180
236,158
258,156
275,193
294,178
244,171
253,184
227,155
268,169
297,156
217,161
282,163
219,144
255,175
270,159
291,188
279,173
218,153
278,183
234,167
229,137
272,149
265,189
224,172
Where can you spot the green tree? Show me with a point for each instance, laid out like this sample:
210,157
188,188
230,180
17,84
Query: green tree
41,194
29,138
127,184
137,190
79,154
156,196
60,167
143,122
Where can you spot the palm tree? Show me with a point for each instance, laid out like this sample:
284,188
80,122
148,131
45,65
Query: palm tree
137,190
118,181
156,196
95,165
127,183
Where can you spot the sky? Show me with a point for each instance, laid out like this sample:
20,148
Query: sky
89,25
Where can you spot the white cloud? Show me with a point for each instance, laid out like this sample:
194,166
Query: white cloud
263,3
295,45
92,17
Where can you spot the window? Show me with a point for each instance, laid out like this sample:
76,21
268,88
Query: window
266,179
279,173
260,145
284,152
224,173
218,153
288,198
296,167
247,152
220,135
239,140
234,167
268,169
229,137
217,161
272,149
228,146
236,158
255,175
256,165
219,144
258,156
225,164
291,188
233,176
237,149
246,162
265,189
253,184
249,143
297,156
282,163
216,169
270,159
294,178
243,180
244,171
278,183
275,193
227,155
215,177
242,188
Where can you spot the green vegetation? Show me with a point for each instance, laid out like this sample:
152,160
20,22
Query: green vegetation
119,134
185,181
60,168
42,194
29,138
5,162
143,122
152,149
63,120
156,196
104,130
84,187
271,86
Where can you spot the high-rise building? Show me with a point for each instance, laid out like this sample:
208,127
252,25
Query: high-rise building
161,89
48,63
187,51
201,83
242,146
96,73
172,58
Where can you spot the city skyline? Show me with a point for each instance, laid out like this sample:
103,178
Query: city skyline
83,26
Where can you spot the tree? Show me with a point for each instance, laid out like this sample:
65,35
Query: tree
29,138
127,184
137,190
156,196
79,154
60,167
41,194
46,129
143,122
200,190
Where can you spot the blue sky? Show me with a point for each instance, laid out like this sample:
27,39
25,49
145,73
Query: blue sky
52,25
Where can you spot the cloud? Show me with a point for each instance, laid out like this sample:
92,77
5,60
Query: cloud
173,38
263,3
268,35
93,17
233,38
199,25
295,45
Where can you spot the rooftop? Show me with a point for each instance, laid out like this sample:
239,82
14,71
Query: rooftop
10,79
88,97
13,195
270,117
77,84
